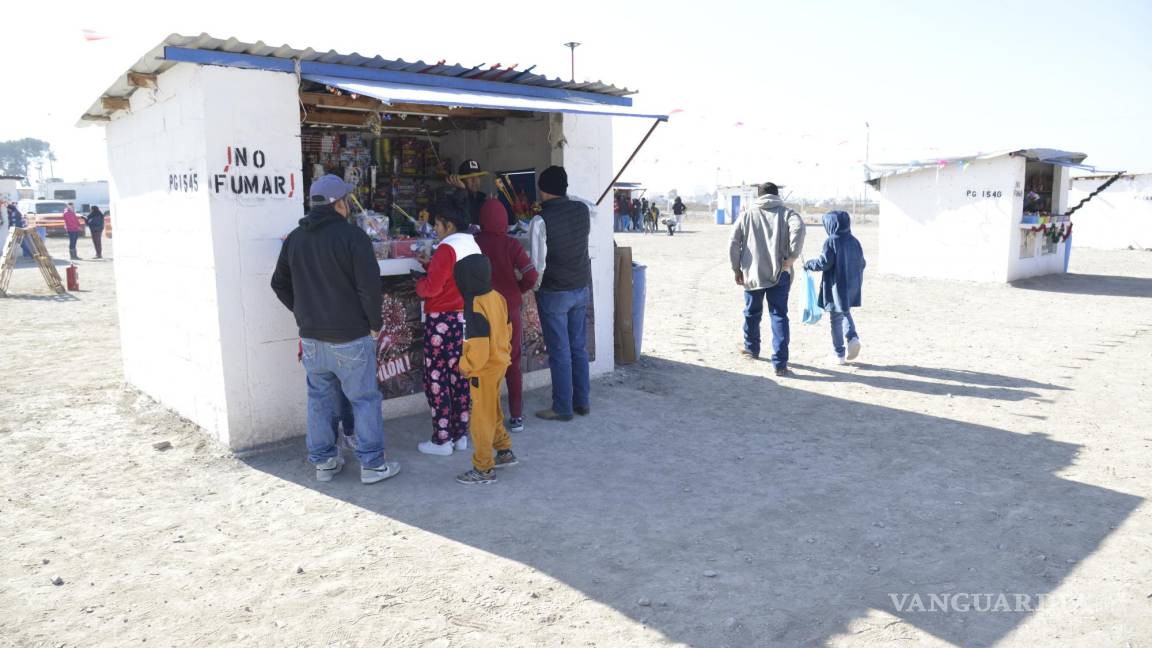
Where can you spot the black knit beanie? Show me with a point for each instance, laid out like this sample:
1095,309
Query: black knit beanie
554,180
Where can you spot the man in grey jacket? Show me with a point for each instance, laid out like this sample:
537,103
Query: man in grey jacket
766,241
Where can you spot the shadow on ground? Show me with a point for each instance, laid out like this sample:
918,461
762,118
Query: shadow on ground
1088,284
65,297
962,383
26,262
780,531
663,232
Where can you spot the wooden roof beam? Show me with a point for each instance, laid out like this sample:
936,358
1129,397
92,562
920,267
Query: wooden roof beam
114,103
334,117
325,100
360,120
141,80
445,111
347,102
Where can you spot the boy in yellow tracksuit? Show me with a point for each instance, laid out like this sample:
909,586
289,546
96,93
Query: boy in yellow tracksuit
487,353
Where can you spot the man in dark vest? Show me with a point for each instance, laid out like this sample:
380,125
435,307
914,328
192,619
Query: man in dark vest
560,253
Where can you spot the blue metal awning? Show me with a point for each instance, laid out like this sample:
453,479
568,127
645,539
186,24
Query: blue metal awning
390,92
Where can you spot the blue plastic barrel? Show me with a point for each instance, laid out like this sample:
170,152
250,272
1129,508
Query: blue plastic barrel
639,289
721,217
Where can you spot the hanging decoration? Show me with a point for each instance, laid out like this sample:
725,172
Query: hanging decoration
1054,232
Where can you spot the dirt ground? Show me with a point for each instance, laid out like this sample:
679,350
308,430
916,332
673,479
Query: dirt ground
991,440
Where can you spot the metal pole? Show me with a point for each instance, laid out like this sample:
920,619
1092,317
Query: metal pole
572,46
867,151
623,168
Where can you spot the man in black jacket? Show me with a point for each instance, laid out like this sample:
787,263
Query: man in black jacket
328,277
560,251
678,210
468,196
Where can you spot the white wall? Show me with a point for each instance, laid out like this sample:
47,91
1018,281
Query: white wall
10,191
165,273
1118,218
201,330
518,143
255,112
932,226
586,154
1040,264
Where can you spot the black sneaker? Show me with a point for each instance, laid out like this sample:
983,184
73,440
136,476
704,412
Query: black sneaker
782,372
582,411
748,354
516,424
506,458
474,476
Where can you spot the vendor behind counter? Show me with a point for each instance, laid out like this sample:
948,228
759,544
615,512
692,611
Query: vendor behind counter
467,195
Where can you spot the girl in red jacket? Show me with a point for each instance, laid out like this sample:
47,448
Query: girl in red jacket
444,386
508,259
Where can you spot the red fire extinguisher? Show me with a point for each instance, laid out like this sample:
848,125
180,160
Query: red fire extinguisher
73,278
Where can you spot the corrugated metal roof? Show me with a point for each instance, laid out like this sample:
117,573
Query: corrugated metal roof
154,63
1034,154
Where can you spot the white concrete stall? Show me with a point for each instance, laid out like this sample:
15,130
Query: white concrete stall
964,218
10,188
204,145
730,201
1118,218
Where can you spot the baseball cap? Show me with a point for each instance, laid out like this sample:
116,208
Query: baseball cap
469,167
329,187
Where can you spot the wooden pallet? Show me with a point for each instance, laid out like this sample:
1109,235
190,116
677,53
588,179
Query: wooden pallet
12,247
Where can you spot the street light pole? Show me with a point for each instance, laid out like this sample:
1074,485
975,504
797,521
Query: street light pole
572,46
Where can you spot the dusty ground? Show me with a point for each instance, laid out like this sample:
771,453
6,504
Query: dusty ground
992,440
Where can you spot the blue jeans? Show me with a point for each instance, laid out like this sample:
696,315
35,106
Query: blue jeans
344,415
777,298
562,316
349,367
72,238
842,328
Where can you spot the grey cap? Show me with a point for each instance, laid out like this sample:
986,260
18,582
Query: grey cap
330,187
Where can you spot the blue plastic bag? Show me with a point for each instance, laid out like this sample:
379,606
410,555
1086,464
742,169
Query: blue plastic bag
812,311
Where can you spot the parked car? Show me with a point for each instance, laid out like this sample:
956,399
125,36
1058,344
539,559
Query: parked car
48,214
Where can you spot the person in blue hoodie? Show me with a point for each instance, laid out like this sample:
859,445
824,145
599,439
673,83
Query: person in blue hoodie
842,262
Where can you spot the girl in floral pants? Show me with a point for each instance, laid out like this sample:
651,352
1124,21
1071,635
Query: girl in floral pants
446,389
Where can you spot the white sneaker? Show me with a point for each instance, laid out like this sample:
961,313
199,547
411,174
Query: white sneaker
461,443
839,360
329,469
379,473
853,348
438,449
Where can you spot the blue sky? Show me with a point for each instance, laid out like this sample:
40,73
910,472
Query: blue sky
932,79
